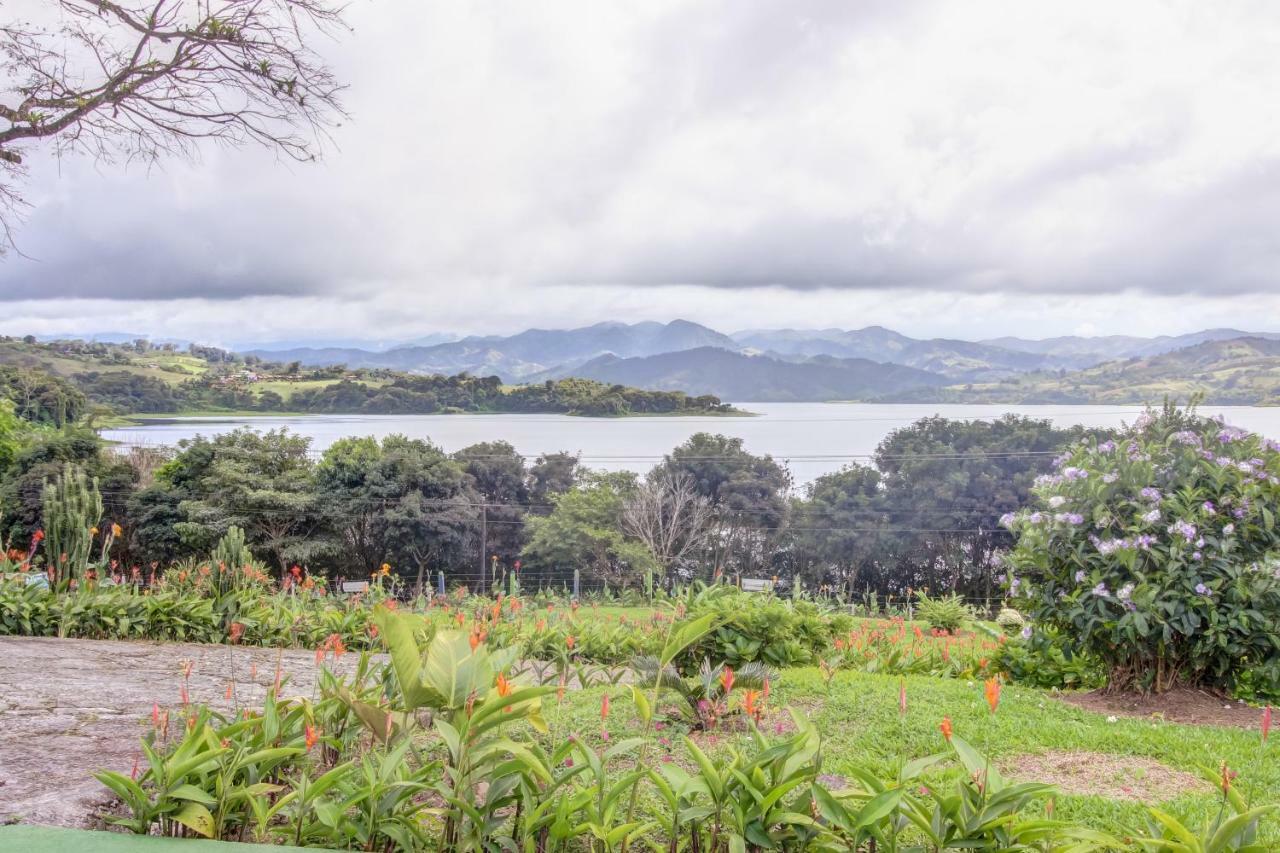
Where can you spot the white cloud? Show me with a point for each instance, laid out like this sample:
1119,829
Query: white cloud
547,164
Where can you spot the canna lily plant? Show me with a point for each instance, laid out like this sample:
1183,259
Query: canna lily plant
463,689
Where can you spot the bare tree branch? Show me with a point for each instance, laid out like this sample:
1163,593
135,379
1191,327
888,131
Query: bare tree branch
668,515
140,79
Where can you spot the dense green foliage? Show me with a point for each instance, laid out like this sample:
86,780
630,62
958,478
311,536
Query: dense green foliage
1157,553
56,383
449,747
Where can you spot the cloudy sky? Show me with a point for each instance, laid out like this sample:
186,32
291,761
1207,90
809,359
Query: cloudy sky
960,169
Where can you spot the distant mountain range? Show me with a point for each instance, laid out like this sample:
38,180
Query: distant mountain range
825,364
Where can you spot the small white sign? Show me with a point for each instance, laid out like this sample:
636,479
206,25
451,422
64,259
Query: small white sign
355,586
756,585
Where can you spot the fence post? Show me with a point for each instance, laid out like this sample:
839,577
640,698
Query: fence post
440,583
577,584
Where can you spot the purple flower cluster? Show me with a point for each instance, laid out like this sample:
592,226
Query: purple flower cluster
1152,517
1185,529
1069,517
1106,446
1201,589
1187,437
1150,493
1073,473
1144,542
1226,435
1110,546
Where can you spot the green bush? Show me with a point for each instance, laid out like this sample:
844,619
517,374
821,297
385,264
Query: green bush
946,612
760,627
1156,554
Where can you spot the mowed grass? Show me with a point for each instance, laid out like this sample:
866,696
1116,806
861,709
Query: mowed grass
170,367
860,725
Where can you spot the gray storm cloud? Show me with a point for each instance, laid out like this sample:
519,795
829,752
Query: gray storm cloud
823,147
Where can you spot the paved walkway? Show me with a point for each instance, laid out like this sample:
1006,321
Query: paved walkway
70,707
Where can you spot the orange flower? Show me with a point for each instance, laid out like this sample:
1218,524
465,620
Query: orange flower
946,727
902,697
313,735
1266,723
474,639
992,691
237,631
503,685
604,706
752,705
570,642
116,530
726,680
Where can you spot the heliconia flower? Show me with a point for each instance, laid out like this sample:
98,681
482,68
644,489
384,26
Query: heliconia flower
604,706
1266,723
134,775
765,691
726,679
312,736
946,727
116,530
503,685
1227,775
474,640
902,697
570,642
751,705
992,691
228,690
155,715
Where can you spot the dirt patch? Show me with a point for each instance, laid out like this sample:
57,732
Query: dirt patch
70,707
1192,707
1117,777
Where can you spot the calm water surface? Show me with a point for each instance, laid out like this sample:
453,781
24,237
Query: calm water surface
813,438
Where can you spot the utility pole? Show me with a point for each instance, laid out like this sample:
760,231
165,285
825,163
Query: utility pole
484,546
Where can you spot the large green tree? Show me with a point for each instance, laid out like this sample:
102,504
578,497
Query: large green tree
584,531
260,482
748,492
839,530
947,483
402,501
498,474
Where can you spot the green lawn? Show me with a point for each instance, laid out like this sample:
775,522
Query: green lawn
860,725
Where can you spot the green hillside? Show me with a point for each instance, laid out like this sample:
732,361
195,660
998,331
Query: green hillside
1242,371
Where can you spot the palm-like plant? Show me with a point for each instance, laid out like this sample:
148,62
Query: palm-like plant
705,695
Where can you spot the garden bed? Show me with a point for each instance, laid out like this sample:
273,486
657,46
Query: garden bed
1187,706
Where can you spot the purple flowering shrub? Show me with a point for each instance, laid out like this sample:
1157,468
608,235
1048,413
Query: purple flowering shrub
1159,554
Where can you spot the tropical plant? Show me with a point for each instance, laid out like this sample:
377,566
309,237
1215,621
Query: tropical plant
72,511
1156,554
944,612
706,695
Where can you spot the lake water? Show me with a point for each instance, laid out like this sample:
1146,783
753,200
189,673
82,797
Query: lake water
813,438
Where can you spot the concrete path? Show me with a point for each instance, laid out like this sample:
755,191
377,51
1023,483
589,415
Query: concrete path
70,707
